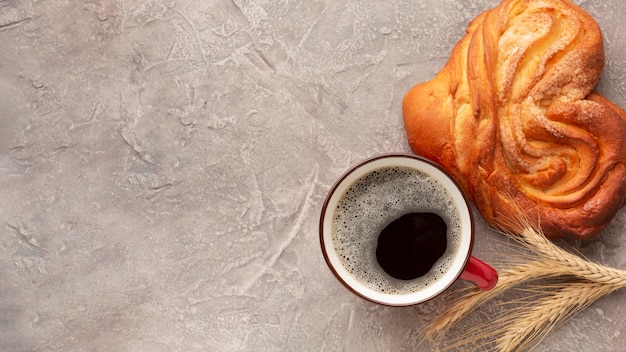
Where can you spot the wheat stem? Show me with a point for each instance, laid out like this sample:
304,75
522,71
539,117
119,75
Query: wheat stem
535,317
548,313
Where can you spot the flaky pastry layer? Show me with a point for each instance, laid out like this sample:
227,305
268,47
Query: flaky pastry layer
513,116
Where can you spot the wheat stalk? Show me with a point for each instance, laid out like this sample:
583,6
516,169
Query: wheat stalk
559,304
526,322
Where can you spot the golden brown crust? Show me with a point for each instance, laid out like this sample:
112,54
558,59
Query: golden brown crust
513,117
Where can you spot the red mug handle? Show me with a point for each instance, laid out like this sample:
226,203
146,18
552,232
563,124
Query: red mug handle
481,274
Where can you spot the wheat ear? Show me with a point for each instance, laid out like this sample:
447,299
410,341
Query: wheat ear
528,322
559,303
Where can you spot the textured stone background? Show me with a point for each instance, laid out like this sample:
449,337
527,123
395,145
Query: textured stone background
163,164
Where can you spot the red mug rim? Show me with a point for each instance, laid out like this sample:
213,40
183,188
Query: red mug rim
359,165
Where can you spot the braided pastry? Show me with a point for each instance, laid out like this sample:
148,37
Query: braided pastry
513,117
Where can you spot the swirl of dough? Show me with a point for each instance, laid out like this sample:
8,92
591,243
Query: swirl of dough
513,116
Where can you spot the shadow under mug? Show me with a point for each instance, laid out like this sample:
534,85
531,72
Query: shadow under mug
427,188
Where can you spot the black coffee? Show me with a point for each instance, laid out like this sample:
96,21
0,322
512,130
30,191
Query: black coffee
409,246
375,200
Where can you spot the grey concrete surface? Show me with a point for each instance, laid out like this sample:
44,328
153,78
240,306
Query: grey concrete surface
163,165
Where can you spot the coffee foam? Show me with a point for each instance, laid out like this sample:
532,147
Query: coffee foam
375,200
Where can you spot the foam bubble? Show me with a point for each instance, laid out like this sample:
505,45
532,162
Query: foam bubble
375,200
